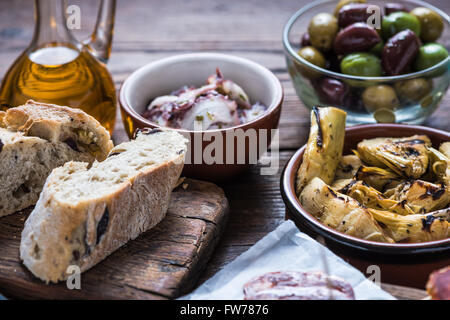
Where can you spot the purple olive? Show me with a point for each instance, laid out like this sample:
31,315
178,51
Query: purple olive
394,7
355,37
331,91
354,102
399,52
355,12
305,41
332,62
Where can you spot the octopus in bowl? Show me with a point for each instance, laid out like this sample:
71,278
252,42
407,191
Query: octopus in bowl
220,103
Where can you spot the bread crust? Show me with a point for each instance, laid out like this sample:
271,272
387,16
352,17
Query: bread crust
61,233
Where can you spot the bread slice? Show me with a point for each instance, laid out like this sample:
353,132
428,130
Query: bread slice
37,137
84,214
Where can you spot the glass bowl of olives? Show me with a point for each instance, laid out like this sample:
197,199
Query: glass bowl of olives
379,60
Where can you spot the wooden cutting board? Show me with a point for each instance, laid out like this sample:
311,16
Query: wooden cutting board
163,263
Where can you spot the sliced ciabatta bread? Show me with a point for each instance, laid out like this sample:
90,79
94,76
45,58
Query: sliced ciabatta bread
34,139
54,123
84,214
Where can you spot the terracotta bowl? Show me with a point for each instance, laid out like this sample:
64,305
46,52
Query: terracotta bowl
164,76
401,264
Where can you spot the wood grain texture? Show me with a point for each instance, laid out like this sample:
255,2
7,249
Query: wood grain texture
147,30
162,263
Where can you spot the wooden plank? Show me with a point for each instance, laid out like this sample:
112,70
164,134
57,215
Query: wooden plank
164,262
404,293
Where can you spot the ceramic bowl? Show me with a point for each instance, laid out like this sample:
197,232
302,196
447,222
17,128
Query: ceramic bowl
400,263
164,76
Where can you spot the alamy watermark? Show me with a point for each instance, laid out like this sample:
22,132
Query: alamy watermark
236,146
73,19
74,277
374,19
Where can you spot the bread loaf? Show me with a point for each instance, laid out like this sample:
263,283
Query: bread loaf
85,213
37,137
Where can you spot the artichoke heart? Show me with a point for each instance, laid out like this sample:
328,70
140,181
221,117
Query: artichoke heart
445,149
440,165
372,198
405,156
421,196
415,227
324,148
340,212
347,167
378,178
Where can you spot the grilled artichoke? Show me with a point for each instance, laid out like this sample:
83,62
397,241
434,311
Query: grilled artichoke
415,227
440,165
407,157
340,212
372,198
324,148
378,178
445,149
421,196
387,191
347,167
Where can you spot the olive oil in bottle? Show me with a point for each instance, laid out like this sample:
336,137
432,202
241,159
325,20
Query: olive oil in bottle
61,75
56,68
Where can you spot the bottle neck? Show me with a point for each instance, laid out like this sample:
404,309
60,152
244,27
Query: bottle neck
51,24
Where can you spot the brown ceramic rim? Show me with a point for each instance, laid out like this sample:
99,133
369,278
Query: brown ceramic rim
298,212
271,109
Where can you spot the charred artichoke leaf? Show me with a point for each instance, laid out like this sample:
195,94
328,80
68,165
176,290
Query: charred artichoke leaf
406,156
445,149
324,147
421,196
372,198
340,212
348,166
378,178
415,227
340,183
439,166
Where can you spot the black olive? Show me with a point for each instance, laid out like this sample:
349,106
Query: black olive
146,131
76,255
114,154
72,144
102,225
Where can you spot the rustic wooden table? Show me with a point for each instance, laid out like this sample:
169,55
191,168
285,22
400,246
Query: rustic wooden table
149,30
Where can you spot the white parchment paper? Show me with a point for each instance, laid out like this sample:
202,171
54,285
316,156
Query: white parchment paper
284,249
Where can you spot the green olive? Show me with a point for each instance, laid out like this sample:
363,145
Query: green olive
399,21
429,55
431,23
378,48
380,97
343,3
414,89
322,31
361,64
384,116
313,56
